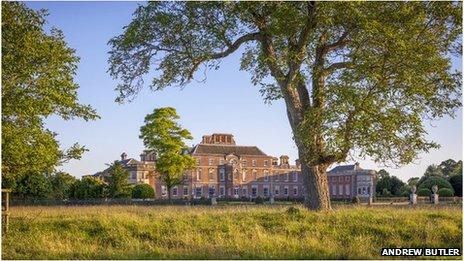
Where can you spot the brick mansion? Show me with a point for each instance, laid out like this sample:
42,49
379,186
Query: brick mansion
227,170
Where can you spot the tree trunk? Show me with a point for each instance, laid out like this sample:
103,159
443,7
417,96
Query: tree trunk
317,188
169,196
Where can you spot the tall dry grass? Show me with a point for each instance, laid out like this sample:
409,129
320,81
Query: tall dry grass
239,232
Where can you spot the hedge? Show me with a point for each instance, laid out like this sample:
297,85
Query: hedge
445,192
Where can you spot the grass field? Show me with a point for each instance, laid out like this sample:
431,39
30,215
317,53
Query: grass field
229,232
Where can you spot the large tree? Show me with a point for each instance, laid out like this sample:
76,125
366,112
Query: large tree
118,185
162,135
357,78
38,71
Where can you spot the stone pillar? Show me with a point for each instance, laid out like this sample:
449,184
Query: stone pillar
271,199
435,195
413,196
213,201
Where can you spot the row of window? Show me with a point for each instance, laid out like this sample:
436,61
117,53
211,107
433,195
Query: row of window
347,178
236,174
198,191
347,190
233,162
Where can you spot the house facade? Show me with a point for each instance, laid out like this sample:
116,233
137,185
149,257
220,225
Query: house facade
227,170
348,181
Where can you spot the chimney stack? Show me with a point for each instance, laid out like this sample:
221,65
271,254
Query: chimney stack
123,156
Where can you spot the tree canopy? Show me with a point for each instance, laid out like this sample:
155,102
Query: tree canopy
38,71
357,78
118,186
162,135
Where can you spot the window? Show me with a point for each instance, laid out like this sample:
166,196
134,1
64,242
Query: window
212,191
286,190
198,191
244,163
255,174
164,191
199,174
254,191
286,177
232,162
244,175
340,178
347,178
295,191
221,191
266,175
211,174
276,190
210,162
340,189
244,192
359,191
198,161
364,191
253,163
222,174
347,189
265,163
368,190
334,190
174,191
266,191
221,162
186,191
295,176
236,192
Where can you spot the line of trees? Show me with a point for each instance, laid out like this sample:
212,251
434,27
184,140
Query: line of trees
447,176
62,185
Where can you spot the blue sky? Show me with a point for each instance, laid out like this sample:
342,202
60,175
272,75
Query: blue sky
227,102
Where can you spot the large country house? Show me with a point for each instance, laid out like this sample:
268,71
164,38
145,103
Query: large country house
227,170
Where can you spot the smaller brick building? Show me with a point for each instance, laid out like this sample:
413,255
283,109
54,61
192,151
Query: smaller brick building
348,181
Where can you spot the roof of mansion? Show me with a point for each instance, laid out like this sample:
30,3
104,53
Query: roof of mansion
228,149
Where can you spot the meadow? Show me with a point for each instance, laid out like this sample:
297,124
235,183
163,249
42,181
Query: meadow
225,232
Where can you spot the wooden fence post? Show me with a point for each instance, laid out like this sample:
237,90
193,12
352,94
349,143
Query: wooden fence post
5,209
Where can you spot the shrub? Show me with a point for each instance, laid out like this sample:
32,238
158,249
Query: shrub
433,180
143,191
293,211
445,192
259,200
424,192
456,182
355,200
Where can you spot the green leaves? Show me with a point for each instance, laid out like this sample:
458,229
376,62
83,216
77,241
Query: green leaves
37,82
357,78
162,135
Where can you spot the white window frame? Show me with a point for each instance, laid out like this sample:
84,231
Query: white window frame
347,189
334,189
254,188
199,174
222,174
222,191
244,163
286,177
295,177
236,191
253,163
186,191
340,189
295,189
210,161
255,175
276,190
265,163
264,191
266,175
244,191
164,190
175,191
286,191
244,172
211,174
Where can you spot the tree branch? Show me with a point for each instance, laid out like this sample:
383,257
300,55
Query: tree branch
214,56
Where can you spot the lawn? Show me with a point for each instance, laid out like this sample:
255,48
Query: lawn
225,232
